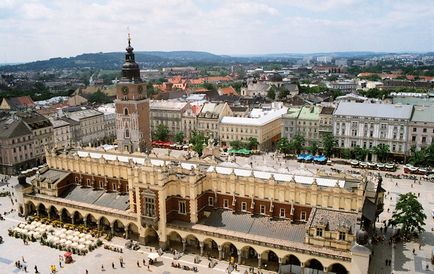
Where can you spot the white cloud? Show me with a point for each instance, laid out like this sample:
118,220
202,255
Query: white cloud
42,29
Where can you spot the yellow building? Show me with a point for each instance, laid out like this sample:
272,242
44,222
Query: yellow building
264,219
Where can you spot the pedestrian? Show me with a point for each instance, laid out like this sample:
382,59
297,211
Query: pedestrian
25,268
148,267
113,265
414,251
387,262
144,262
36,269
87,272
22,258
418,195
102,268
420,246
138,264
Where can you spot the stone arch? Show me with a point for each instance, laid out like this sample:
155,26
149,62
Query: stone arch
104,224
31,208
53,212
192,244
291,264
175,241
314,264
249,256
42,211
65,215
210,248
291,259
77,218
337,268
91,221
151,237
118,228
133,231
229,252
269,260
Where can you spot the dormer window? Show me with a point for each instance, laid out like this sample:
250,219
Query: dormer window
319,232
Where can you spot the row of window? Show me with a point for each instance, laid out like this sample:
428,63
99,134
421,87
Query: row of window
182,208
320,233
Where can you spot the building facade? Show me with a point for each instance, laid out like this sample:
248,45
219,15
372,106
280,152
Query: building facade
368,125
183,206
262,124
91,126
62,133
208,120
421,127
16,146
133,130
168,113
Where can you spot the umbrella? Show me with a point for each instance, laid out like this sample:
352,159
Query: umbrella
70,232
76,233
62,241
82,235
75,239
63,230
81,247
88,236
153,256
21,225
70,237
37,235
82,240
58,233
68,242
88,242
43,226
74,244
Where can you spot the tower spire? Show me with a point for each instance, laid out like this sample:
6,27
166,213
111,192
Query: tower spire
129,39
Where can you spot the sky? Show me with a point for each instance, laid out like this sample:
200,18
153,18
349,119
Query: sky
41,29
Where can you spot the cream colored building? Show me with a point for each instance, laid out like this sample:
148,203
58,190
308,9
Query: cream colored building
262,124
183,207
62,133
208,120
91,125
168,113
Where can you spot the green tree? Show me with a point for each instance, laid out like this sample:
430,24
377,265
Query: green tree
297,143
313,148
422,157
328,143
99,97
346,153
161,133
283,146
237,144
360,153
253,143
198,140
382,151
409,214
271,93
179,137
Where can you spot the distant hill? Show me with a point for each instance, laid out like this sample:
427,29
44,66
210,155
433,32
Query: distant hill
114,60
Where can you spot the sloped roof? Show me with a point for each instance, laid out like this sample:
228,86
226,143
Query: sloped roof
374,110
11,128
21,102
423,114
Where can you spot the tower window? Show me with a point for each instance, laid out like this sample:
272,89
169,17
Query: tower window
127,133
125,111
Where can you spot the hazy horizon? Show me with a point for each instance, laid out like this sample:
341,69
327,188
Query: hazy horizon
42,29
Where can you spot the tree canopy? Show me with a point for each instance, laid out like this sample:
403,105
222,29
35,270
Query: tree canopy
161,133
328,143
382,151
179,137
423,157
198,140
99,97
409,214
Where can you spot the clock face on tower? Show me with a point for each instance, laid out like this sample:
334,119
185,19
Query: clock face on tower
140,89
125,90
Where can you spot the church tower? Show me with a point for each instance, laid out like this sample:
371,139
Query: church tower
133,129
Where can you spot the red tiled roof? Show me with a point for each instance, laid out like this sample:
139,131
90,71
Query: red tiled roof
228,91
